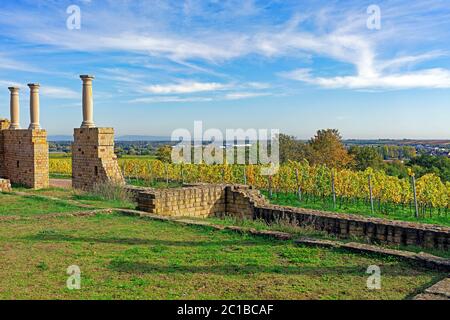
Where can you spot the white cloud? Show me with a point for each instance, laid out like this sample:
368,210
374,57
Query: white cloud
430,78
334,32
184,87
6,84
10,64
244,95
167,99
59,92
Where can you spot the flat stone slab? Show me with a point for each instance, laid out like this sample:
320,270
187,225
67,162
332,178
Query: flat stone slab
442,288
424,259
426,296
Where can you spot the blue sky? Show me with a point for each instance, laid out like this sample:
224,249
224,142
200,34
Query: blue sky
297,66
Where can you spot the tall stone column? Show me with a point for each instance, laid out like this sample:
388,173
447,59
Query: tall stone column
88,102
14,108
34,106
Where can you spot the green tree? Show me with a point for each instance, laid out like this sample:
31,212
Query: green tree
326,148
164,154
366,157
291,149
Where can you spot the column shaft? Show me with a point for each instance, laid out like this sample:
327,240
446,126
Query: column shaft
34,106
88,102
14,108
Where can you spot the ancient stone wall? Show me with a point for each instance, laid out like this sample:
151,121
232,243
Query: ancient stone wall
24,157
197,201
244,202
347,225
241,201
4,124
93,158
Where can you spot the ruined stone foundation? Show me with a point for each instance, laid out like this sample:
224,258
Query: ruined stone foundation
24,157
93,158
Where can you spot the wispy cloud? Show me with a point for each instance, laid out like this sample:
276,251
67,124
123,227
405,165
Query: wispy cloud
7,63
184,87
171,31
165,99
430,78
59,92
244,95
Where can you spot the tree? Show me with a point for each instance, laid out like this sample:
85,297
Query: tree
326,148
291,149
164,154
426,164
366,157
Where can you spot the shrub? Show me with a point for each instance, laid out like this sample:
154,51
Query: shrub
111,191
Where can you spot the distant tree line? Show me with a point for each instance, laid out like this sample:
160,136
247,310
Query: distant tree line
327,148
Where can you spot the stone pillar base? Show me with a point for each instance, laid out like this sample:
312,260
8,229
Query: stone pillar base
4,125
24,154
93,158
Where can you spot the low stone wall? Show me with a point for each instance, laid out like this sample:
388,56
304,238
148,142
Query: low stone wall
372,229
244,202
198,201
5,185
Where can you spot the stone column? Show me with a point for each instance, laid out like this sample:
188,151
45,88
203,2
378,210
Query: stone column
88,102
14,108
34,106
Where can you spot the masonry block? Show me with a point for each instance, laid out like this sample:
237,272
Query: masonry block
93,158
24,157
4,125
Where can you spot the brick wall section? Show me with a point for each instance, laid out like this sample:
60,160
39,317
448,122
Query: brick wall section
5,185
24,157
372,229
241,201
244,202
93,158
197,201
4,124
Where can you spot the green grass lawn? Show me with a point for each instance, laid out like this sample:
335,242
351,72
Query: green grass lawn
79,196
129,258
397,213
154,183
13,205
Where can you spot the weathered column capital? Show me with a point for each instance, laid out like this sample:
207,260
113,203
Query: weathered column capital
34,106
34,86
87,79
88,102
14,108
14,90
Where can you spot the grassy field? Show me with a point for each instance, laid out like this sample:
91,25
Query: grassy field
128,258
28,206
64,195
404,214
